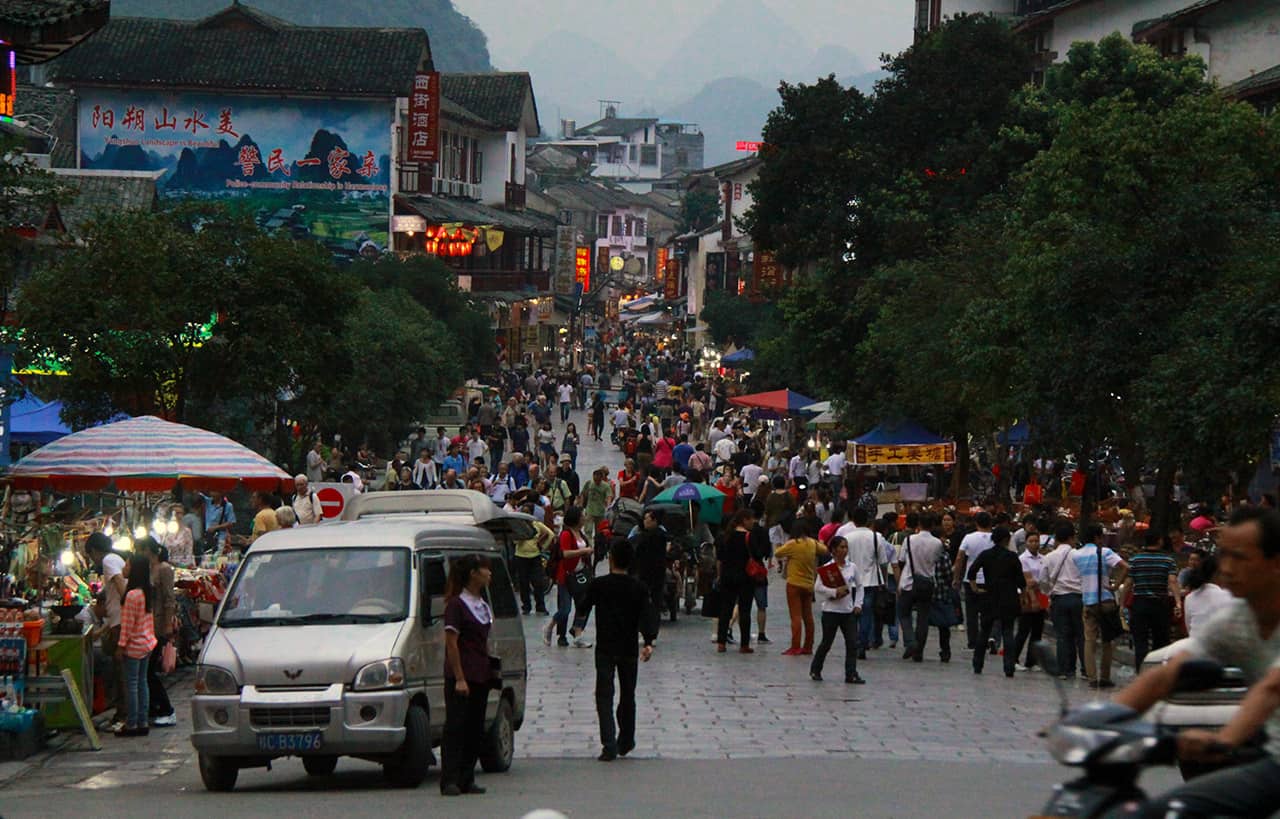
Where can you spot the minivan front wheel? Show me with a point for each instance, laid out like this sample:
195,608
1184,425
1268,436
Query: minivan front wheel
500,742
409,768
218,773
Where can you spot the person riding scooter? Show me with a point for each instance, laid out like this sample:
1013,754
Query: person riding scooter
1245,634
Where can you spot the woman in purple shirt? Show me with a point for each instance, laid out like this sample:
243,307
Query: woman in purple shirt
467,618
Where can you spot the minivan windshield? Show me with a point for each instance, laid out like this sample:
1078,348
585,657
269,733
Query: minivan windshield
306,586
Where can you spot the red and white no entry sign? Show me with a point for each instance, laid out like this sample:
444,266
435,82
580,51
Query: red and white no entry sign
331,502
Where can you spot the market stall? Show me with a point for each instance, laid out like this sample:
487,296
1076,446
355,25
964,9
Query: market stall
903,444
49,580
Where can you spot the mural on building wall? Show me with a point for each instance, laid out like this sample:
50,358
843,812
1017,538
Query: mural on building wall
312,168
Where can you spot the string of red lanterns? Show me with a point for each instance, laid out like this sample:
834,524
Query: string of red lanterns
439,242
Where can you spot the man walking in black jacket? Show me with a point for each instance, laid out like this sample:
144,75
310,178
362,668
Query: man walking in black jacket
1000,599
623,611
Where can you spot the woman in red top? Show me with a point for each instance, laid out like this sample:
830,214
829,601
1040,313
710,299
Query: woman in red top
729,484
137,639
663,450
629,480
571,547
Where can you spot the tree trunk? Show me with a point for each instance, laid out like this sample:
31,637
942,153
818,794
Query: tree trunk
960,475
1163,515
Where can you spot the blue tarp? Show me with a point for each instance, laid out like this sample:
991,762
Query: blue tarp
1016,435
32,421
900,433
739,356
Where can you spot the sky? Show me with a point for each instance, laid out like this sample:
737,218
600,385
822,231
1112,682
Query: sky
641,28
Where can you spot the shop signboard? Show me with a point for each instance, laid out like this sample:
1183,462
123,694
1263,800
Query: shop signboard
602,260
582,268
767,274
316,169
424,119
566,260
661,268
904,455
8,80
671,285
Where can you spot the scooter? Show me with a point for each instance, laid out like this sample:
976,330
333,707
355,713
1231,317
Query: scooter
1113,744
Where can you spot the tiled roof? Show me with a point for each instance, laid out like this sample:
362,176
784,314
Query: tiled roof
440,210
1182,15
496,97
37,13
615,126
51,111
100,192
594,196
1261,82
40,29
243,49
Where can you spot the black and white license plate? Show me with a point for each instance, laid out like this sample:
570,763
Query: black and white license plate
309,741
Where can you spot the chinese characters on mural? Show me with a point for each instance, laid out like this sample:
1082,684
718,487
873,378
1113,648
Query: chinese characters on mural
318,168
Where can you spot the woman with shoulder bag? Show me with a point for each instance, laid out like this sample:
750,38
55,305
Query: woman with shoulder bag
566,564
467,673
735,584
1034,604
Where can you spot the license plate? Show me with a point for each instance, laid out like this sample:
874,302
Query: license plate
311,741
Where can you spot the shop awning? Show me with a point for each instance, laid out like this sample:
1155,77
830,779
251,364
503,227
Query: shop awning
441,211
783,402
902,443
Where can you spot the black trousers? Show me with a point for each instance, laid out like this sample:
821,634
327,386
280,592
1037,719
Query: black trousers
1030,630
916,635
463,734
972,618
623,733
1149,621
743,596
1067,611
846,624
530,582
159,698
988,617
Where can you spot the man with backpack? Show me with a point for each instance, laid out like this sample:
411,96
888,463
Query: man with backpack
306,506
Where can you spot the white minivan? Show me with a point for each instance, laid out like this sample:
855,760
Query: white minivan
330,641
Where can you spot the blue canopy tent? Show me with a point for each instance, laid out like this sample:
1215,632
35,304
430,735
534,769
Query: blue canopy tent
738,357
902,443
36,422
1017,435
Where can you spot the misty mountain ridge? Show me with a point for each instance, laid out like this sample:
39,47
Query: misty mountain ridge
457,44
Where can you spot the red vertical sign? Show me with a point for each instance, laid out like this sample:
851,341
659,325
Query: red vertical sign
671,286
582,268
8,80
424,118
661,268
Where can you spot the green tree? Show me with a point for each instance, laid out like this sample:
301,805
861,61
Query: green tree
435,288
699,208
399,360
814,168
27,192
733,318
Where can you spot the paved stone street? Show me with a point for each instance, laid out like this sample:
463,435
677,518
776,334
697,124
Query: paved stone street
694,704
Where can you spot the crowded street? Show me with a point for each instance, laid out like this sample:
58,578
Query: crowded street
749,408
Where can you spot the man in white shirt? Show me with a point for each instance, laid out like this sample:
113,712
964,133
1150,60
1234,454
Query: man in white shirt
306,506
476,447
717,432
750,479
795,466
1019,540
973,544
1060,579
868,550
835,465
725,449
919,555
315,463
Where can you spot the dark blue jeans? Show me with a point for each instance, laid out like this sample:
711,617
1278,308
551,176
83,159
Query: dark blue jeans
867,620
564,606
1067,611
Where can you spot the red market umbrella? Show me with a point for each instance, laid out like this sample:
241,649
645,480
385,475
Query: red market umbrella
146,454
782,402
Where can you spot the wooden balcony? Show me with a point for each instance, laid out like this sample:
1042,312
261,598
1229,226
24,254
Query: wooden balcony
488,281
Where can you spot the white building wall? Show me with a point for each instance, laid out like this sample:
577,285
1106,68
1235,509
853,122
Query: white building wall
1244,38
1093,21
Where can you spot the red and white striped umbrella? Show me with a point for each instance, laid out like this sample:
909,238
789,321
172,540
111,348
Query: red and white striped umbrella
146,454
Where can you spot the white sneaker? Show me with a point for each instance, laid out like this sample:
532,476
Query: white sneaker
1019,667
547,631
581,642
115,726
166,721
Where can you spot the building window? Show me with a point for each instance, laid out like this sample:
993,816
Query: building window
631,154
649,155
477,165
617,226
602,225
639,225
